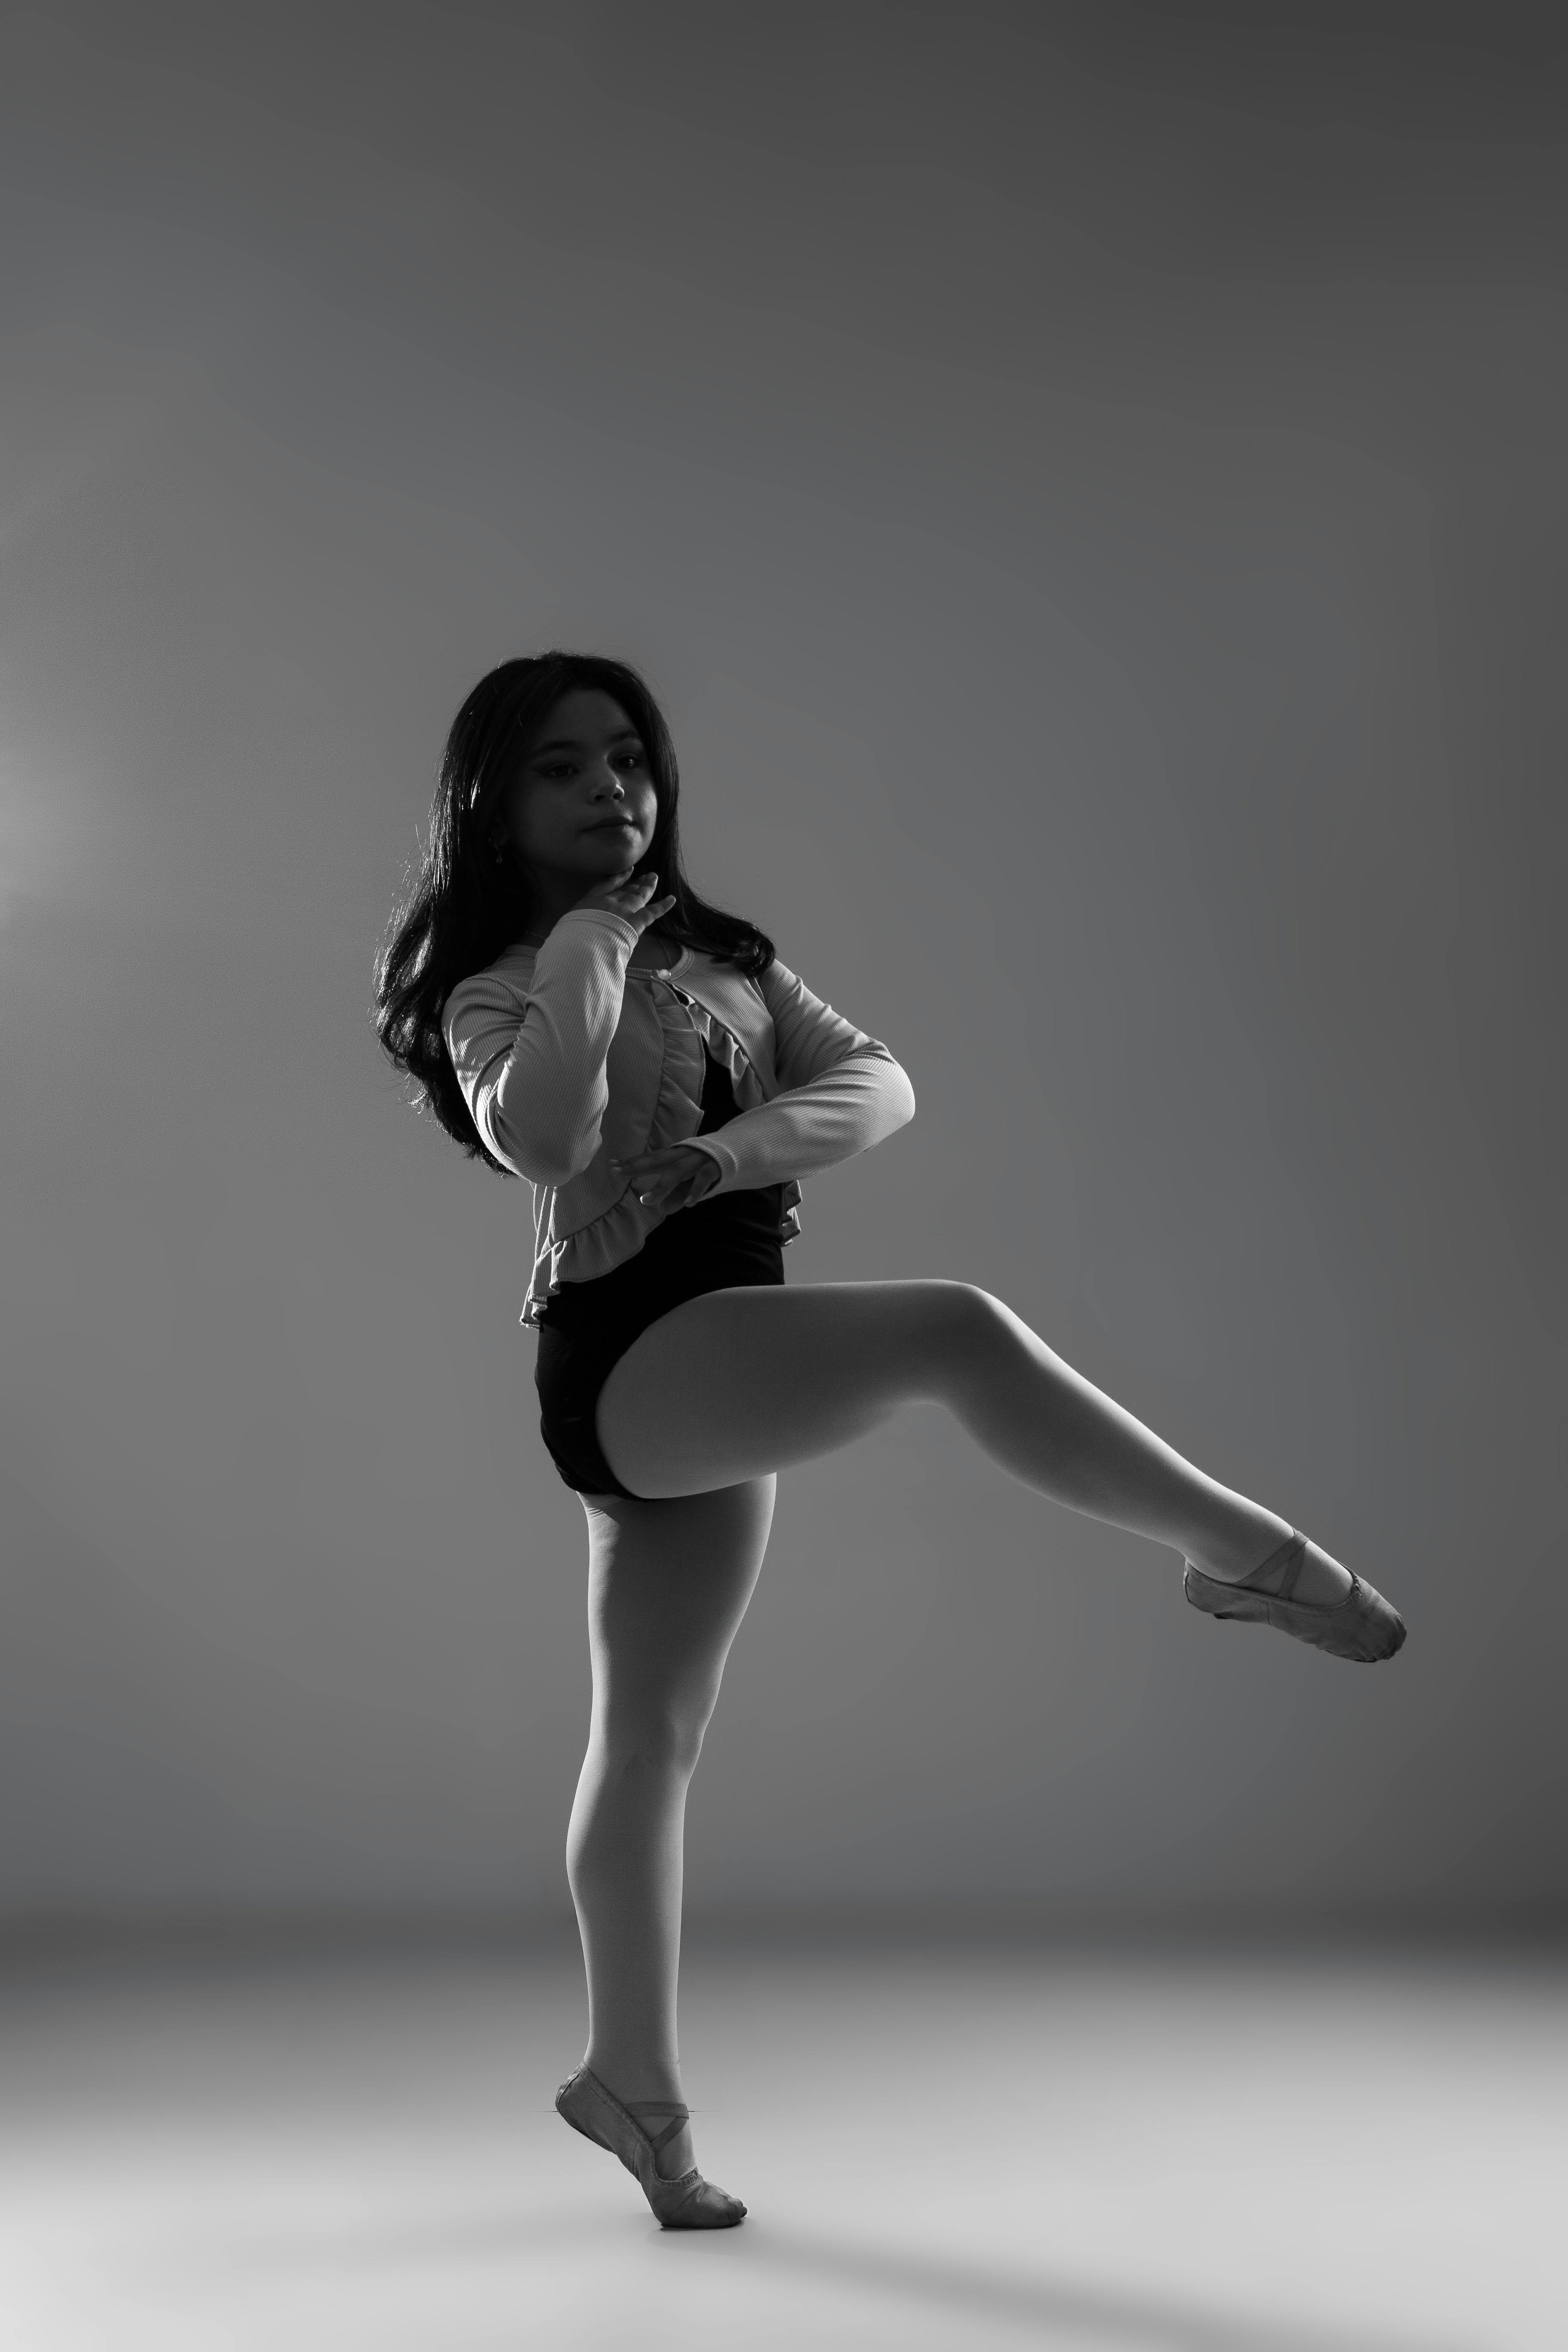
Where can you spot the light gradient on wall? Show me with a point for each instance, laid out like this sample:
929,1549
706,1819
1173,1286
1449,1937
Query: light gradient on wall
1091,488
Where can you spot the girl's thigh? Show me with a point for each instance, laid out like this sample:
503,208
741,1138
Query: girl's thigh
668,1583
740,1383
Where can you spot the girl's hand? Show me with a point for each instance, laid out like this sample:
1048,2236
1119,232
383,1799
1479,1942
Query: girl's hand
626,894
672,1179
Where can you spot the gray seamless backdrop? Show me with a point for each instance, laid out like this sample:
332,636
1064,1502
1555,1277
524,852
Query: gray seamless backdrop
1090,485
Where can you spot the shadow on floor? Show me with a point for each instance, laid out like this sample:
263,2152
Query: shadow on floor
971,2291
982,2293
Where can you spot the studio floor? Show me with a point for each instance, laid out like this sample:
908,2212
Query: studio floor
1017,2146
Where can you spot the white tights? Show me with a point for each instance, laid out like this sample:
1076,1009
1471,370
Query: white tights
698,1416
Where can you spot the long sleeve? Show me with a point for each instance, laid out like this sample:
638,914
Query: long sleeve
842,1092
531,1059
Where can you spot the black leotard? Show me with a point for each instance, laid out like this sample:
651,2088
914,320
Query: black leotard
585,1328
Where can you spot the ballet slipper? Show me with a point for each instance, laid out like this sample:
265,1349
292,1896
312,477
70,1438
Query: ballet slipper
1361,1626
687,2202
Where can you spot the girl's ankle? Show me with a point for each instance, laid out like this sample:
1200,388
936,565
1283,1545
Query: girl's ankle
631,2081
1235,1555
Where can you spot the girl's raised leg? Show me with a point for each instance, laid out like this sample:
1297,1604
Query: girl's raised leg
669,1582
742,1383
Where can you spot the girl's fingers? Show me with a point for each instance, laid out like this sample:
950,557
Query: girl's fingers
661,1179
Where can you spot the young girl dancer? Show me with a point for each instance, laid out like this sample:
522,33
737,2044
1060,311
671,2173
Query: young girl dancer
575,1013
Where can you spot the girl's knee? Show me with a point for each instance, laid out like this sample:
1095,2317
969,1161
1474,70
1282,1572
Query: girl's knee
655,1739
962,1318
966,1335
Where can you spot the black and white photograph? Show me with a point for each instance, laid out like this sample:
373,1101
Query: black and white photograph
782,992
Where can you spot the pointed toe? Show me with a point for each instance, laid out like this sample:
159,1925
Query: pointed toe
1361,1627
686,2203
707,2207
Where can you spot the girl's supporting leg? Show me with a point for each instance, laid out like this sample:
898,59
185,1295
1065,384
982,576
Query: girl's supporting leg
740,1383
668,1581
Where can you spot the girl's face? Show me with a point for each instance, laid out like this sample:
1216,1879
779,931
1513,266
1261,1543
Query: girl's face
583,805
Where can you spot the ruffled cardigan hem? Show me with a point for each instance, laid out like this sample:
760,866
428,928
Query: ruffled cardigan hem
689,1029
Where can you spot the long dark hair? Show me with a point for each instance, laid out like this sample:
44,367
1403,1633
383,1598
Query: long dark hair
463,910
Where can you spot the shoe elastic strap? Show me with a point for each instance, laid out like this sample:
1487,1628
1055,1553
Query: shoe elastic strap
679,2115
1288,1582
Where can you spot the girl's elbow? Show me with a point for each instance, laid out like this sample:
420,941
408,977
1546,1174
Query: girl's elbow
556,1168
550,1160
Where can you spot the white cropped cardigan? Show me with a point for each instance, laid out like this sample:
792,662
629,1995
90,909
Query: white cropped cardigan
568,1059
